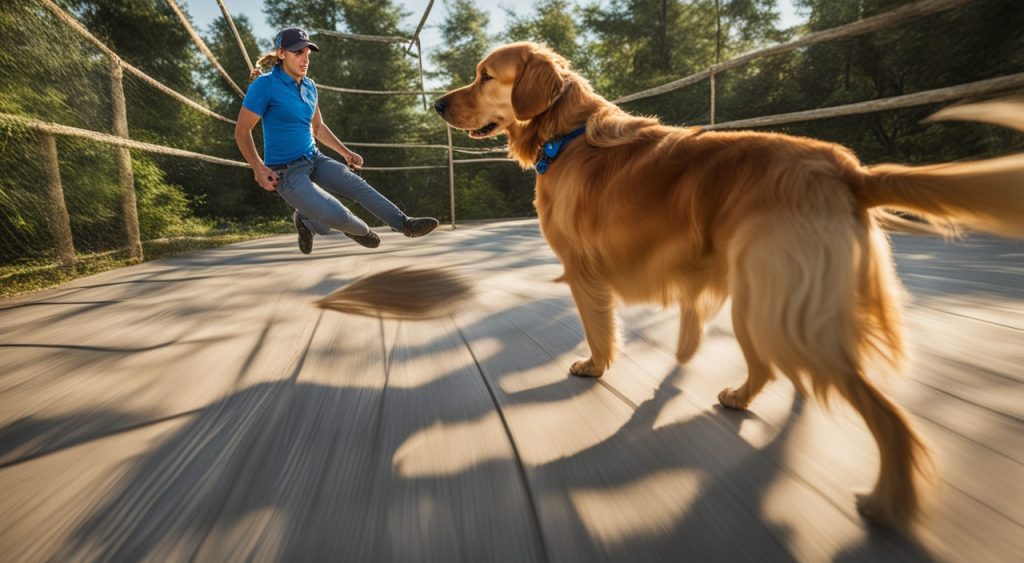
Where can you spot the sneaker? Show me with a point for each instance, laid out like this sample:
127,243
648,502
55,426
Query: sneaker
369,240
419,226
305,235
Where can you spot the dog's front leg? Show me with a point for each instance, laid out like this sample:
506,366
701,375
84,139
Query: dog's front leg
596,304
691,330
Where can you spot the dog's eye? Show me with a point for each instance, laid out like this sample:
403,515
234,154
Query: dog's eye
484,77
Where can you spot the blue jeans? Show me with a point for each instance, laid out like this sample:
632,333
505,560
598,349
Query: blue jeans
318,209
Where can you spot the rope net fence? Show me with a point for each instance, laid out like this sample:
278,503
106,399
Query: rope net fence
103,153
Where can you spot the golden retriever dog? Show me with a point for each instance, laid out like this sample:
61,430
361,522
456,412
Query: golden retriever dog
790,228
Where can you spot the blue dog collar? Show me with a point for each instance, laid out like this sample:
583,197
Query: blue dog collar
551,149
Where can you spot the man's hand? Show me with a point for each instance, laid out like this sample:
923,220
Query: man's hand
266,178
355,161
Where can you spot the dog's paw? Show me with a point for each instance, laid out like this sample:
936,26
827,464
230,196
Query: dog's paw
731,398
877,513
586,368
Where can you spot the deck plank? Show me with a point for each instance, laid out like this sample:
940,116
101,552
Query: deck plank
201,408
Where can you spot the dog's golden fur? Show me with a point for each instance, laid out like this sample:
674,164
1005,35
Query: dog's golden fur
788,227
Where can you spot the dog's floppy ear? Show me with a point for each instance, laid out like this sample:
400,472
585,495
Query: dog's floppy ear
538,84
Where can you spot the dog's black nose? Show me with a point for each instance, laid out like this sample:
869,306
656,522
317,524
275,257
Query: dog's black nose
440,106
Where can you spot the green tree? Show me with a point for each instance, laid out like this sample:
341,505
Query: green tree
221,41
554,23
640,43
69,83
220,192
356,64
481,190
465,39
147,34
977,41
315,14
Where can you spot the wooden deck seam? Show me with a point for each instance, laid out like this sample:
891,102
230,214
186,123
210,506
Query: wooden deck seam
841,508
524,479
600,381
909,377
962,316
389,361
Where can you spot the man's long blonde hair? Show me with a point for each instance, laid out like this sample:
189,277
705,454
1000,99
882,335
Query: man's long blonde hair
267,59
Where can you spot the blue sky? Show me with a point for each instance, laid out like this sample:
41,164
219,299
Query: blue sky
205,11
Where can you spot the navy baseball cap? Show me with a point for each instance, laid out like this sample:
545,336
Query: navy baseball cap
293,39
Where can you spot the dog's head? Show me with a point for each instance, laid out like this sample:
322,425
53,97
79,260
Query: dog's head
514,83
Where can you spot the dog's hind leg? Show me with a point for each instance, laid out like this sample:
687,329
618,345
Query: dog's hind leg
693,312
894,499
813,296
759,372
691,331
596,304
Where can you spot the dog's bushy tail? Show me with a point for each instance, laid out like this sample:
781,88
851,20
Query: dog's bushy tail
984,195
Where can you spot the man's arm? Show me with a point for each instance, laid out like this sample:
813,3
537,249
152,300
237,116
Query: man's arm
265,177
324,134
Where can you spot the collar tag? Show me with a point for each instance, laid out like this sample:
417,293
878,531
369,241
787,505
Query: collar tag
550,150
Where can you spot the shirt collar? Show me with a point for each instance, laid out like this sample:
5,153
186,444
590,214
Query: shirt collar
283,76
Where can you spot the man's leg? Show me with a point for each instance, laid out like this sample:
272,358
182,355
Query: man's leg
316,209
305,235
337,179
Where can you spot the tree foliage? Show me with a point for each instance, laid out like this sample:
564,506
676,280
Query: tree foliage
621,46
465,41
556,24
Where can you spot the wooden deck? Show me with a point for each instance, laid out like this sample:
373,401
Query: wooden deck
200,408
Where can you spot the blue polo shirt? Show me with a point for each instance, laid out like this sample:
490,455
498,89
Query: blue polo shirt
287,109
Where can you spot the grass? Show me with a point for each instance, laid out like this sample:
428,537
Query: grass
43,273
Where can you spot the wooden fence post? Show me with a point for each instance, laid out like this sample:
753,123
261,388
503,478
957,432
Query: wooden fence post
712,80
419,54
60,223
451,174
129,209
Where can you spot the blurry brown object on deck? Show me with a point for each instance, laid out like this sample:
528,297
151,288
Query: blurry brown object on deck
402,293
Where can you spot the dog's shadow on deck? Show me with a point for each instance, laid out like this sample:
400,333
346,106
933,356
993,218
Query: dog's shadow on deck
725,520
297,471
